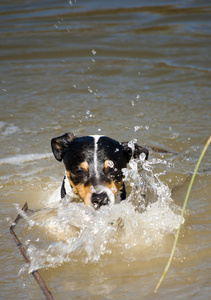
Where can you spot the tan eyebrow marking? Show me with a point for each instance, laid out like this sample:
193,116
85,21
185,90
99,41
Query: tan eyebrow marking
85,166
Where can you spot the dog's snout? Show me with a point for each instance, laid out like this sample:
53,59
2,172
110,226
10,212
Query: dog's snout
99,199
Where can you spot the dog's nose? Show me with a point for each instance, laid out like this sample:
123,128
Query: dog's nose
99,199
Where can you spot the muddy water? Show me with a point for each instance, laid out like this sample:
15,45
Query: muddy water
129,70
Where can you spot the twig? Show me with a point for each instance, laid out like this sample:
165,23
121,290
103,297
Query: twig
35,273
182,214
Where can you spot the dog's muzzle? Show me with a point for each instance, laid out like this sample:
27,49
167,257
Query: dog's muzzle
99,199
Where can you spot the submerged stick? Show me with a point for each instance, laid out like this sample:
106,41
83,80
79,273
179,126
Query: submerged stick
35,273
182,214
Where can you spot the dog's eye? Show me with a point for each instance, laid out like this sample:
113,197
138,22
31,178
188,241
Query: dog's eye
118,176
108,170
80,173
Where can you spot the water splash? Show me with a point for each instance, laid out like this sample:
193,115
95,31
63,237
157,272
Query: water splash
73,232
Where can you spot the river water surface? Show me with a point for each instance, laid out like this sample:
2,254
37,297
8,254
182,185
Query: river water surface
132,70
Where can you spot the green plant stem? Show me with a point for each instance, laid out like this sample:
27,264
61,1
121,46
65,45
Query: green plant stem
182,214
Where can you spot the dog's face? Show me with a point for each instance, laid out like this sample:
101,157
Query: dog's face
94,165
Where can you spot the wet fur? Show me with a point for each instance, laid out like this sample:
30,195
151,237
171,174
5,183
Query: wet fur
93,166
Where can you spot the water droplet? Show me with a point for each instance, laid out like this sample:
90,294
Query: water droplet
142,156
136,128
89,89
148,239
110,164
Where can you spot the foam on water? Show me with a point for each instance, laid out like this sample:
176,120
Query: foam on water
20,159
8,129
72,232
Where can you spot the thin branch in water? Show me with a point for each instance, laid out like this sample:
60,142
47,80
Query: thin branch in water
35,273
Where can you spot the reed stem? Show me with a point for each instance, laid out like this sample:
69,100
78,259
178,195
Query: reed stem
182,214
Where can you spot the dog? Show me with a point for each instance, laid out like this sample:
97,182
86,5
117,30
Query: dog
94,166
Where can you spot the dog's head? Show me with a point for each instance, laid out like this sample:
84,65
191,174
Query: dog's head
94,165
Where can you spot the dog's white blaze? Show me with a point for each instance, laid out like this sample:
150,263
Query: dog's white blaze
96,138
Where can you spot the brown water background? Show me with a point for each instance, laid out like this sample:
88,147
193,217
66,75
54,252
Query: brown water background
127,69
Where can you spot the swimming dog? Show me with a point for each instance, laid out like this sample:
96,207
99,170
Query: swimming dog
93,166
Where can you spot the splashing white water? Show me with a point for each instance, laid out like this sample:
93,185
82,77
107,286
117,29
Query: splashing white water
72,232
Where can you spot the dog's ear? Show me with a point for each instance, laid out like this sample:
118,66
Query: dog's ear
60,144
134,150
